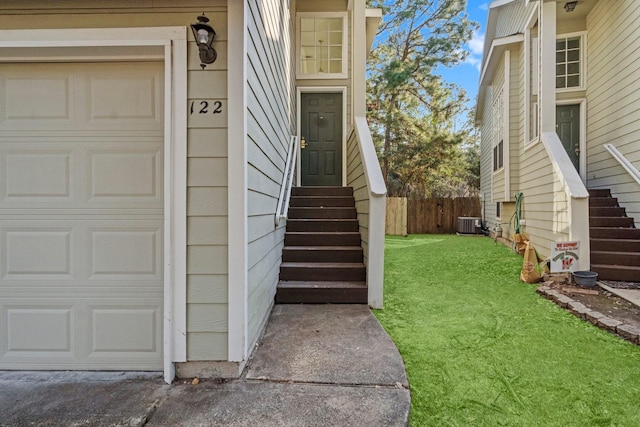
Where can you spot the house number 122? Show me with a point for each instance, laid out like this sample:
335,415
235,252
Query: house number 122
204,107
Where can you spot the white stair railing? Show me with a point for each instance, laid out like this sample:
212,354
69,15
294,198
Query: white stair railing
287,181
577,194
626,164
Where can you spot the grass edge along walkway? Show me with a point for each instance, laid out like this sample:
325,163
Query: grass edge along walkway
482,348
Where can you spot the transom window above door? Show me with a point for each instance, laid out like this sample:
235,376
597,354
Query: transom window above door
322,45
569,62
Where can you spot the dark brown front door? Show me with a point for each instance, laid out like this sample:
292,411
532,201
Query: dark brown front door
321,136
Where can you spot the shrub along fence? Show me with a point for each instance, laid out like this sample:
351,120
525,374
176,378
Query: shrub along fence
429,216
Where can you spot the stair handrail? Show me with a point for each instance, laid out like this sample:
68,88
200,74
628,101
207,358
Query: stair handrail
563,166
377,204
287,181
624,162
373,174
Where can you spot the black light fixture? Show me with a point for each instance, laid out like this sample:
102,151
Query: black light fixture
570,6
204,35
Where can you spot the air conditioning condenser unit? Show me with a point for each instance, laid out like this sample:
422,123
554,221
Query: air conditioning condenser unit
469,225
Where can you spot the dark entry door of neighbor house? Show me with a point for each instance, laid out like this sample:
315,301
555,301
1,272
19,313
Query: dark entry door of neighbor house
568,130
321,139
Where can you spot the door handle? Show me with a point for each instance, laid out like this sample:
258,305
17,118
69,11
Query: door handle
303,143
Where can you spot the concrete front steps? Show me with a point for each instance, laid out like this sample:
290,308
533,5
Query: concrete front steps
615,242
322,259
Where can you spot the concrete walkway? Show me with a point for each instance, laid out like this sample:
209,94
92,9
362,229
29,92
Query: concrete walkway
631,295
317,365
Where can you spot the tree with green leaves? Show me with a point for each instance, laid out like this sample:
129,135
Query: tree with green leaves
412,111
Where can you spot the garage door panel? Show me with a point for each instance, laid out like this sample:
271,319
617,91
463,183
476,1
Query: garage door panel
123,98
37,174
125,174
28,96
125,250
118,329
82,333
105,96
81,215
81,173
130,253
40,330
32,252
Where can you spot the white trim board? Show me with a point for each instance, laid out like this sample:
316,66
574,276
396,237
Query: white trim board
173,41
237,184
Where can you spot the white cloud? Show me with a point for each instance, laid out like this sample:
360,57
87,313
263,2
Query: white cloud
484,6
475,48
476,43
473,61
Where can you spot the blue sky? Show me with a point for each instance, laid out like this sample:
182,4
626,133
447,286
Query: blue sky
467,74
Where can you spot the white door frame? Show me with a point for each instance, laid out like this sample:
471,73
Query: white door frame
323,89
173,40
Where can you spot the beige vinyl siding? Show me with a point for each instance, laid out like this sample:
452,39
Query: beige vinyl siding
545,203
508,230
512,18
498,186
573,25
207,223
613,99
269,122
207,229
357,180
486,162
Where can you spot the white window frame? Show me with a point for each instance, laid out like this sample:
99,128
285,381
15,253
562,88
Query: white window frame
498,129
345,42
583,60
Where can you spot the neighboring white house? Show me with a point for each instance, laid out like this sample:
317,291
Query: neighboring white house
139,189
558,109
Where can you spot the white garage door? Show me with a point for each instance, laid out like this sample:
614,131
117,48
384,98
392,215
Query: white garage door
81,217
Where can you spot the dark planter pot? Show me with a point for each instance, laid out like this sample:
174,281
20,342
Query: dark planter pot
586,279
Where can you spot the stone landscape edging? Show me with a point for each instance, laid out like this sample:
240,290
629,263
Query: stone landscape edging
623,330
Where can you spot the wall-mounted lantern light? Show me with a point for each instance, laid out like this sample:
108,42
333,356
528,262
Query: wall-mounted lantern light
204,35
570,6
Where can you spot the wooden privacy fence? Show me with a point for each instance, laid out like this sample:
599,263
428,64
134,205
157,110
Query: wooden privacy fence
396,218
429,216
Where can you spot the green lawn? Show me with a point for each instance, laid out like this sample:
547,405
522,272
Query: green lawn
482,348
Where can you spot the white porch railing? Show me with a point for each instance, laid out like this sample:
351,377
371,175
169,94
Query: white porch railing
626,164
375,196
576,193
287,181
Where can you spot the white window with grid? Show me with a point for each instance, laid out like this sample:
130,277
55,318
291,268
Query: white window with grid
569,62
322,45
